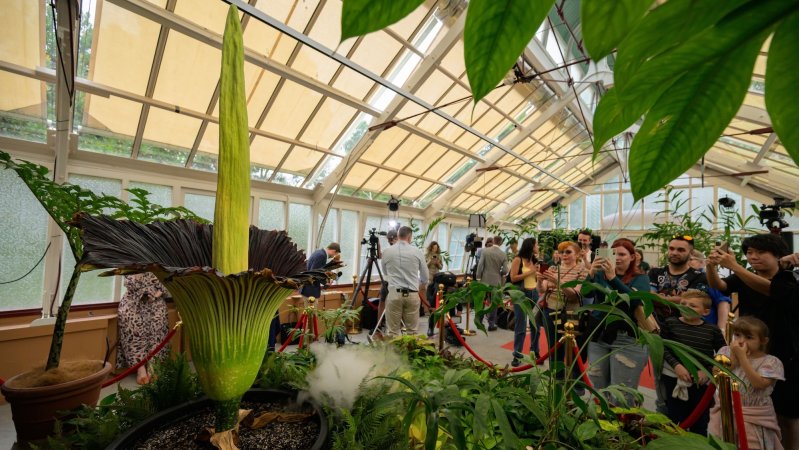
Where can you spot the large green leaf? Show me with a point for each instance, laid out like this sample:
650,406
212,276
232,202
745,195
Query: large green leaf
729,34
359,17
611,118
607,23
495,34
782,80
655,344
666,27
688,118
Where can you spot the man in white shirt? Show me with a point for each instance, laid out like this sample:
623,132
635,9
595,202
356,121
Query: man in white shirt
406,273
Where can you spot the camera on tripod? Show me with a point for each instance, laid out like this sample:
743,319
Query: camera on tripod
372,239
473,242
773,216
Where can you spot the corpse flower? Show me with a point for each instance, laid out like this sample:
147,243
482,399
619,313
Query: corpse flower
227,279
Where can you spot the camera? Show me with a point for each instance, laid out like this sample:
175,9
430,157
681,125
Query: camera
473,242
372,239
772,216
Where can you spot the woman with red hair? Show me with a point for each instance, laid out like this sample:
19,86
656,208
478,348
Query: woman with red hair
614,353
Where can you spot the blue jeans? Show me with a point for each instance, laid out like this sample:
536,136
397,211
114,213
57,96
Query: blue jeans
520,327
623,367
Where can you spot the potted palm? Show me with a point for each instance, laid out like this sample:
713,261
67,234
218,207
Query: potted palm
36,395
227,279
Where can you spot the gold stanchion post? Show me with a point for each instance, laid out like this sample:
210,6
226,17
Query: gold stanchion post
568,347
467,331
728,327
725,398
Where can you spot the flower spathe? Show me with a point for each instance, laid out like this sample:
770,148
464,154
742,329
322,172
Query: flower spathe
226,317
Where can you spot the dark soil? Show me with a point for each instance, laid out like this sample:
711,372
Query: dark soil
182,435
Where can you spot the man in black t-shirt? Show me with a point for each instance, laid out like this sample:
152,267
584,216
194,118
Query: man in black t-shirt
671,281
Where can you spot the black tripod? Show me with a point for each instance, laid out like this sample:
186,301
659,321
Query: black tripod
365,281
470,262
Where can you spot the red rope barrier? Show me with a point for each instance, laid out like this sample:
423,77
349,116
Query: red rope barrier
474,354
701,407
291,334
737,406
304,324
581,366
149,356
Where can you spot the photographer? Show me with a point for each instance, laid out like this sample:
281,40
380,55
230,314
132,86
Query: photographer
434,265
317,260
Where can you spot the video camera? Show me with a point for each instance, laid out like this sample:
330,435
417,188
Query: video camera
473,242
772,216
372,239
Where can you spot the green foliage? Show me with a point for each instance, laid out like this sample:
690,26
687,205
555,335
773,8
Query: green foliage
495,34
94,428
335,321
359,17
62,202
689,117
284,370
369,424
606,23
683,65
782,78
419,239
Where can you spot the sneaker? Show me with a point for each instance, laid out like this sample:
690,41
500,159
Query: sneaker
492,328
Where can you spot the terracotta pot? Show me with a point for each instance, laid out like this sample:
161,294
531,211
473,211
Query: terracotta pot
34,409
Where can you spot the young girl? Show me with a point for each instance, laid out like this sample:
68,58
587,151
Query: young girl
758,371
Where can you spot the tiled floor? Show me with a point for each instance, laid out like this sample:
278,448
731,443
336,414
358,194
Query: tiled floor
492,347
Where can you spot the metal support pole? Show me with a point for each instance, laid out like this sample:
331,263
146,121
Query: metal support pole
725,399
355,325
439,298
467,331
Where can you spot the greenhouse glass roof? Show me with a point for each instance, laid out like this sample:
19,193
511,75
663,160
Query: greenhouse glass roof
357,118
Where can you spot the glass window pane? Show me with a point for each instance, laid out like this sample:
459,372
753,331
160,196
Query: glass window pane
348,240
610,210
202,205
701,202
456,250
299,228
631,212
91,287
593,213
159,194
576,214
271,215
331,226
23,227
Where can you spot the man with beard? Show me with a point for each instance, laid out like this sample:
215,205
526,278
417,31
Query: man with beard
669,283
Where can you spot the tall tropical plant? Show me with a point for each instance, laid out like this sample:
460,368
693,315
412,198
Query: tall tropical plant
675,220
62,202
227,280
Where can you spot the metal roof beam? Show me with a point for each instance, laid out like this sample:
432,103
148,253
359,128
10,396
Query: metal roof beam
379,80
764,150
419,76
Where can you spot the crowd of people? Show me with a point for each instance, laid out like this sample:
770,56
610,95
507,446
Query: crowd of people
763,347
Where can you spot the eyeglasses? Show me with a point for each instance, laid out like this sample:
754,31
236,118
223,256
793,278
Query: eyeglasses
681,237
567,252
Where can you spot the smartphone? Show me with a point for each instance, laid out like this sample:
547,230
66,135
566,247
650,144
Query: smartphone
543,267
605,253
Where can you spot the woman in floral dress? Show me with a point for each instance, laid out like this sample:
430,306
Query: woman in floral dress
143,322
